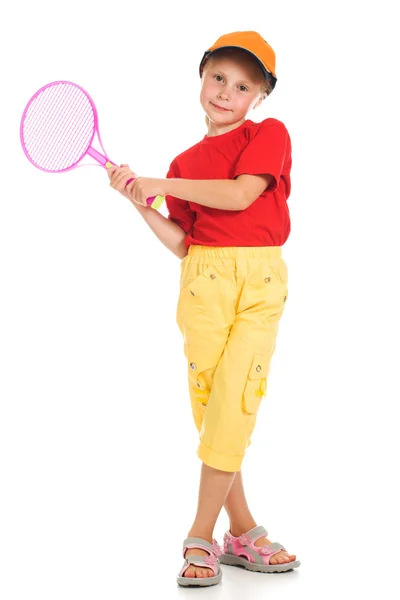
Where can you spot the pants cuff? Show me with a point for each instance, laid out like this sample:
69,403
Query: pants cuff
215,460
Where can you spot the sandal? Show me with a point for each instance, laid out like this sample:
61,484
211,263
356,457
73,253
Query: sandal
211,561
242,552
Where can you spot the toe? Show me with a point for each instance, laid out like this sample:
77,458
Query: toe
290,557
282,557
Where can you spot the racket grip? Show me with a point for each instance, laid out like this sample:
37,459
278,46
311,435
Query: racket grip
155,201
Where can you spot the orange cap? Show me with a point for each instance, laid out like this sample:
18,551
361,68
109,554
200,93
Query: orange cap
252,42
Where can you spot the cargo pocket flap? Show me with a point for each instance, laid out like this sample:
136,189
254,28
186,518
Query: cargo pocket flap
193,276
258,368
256,384
200,359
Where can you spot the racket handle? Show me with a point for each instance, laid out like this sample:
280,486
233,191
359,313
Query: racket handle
155,201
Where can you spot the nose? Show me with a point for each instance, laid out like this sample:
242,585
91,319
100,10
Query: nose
223,96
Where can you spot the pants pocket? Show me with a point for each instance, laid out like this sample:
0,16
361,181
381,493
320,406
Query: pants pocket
196,278
283,271
256,383
202,362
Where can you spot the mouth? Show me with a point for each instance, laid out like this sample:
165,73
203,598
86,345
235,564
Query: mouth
220,107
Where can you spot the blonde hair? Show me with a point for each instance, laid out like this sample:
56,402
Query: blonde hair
239,54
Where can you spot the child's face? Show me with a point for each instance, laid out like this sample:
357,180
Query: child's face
232,85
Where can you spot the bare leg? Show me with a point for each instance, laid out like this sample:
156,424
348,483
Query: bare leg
214,487
241,519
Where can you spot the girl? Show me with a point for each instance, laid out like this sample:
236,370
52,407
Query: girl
228,219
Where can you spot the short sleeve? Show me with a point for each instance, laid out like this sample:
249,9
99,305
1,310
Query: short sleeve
179,210
266,152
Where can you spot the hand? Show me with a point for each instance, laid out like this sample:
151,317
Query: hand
119,176
145,187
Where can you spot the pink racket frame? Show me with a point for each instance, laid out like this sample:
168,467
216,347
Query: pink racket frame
91,151
102,161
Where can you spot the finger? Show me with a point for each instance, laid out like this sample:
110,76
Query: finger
122,178
131,180
118,174
131,187
134,193
111,170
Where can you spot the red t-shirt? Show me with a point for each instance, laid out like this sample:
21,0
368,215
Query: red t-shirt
252,148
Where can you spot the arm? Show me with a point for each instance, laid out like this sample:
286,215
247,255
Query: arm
168,232
226,194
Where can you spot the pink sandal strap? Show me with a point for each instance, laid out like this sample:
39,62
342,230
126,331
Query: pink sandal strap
269,550
244,545
196,542
210,562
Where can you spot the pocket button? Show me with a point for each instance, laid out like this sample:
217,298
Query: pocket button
267,279
192,366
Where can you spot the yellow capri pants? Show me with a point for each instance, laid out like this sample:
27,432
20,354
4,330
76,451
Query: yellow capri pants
230,302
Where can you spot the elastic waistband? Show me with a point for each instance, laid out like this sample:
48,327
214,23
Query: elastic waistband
235,252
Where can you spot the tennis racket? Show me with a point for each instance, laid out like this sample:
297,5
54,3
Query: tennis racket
58,127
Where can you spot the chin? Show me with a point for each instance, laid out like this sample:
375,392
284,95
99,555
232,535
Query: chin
221,116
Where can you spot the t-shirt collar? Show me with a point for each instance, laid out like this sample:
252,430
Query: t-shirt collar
228,134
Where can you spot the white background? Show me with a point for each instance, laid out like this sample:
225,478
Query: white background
98,467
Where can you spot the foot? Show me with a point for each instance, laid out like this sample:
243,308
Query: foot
277,559
192,570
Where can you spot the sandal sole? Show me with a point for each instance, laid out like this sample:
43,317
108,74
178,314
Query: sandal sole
200,581
238,561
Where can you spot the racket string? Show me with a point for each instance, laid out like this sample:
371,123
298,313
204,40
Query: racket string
80,139
49,114
58,126
66,130
56,130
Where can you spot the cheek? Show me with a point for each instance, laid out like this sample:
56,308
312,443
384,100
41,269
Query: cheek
210,89
246,102
203,97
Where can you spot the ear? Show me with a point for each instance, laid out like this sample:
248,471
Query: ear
257,104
